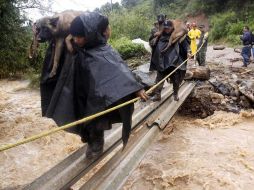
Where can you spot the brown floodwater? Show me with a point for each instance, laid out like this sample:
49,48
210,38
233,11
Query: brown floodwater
206,154
20,117
212,153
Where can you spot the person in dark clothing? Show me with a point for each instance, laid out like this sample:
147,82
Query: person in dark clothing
156,30
201,55
165,63
102,80
246,51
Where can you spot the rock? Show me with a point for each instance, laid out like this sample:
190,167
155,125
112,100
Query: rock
233,109
237,50
234,98
200,72
223,102
245,102
215,95
247,89
223,88
234,76
237,93
218,47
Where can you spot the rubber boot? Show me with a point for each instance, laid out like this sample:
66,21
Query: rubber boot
176,97
95,144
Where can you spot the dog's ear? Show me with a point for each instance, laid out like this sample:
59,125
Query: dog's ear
165,17
53,21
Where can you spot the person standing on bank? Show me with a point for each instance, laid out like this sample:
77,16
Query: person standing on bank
203,41
164,63
101,80
247,41
194,35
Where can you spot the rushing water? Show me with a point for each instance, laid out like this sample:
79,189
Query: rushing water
206,154
212,153
20,117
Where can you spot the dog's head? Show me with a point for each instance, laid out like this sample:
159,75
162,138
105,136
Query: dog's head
42,32
161,18
45,27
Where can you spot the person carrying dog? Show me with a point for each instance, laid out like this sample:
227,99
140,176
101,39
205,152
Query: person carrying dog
156,30
102,80
164,63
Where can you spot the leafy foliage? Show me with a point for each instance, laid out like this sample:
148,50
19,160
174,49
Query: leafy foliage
127,49
15,36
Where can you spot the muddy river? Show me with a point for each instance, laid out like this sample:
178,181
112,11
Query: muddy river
212,153
20,117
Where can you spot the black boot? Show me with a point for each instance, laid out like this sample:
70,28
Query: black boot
156,97
95,144
94,149
176,98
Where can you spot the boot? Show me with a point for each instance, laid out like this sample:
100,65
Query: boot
156,97
95,144
176,98
94,149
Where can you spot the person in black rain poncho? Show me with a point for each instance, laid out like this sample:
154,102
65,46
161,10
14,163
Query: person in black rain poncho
164,63
102,80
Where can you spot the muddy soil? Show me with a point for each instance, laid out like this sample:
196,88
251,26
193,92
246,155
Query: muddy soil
222,91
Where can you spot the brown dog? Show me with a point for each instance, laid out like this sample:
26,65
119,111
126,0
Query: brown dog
57,28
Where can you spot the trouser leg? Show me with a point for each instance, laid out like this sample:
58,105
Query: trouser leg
126,117
175,80
246,55
198,58
159,77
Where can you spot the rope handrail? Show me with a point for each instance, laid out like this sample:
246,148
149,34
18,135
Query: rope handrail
88,118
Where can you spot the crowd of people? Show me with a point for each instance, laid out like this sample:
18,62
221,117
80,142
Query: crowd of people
94,77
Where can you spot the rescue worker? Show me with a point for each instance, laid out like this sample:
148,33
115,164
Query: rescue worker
93,80
156,31
164,63
194,35
201,55
247,41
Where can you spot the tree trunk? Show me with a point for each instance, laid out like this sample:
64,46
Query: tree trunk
200,72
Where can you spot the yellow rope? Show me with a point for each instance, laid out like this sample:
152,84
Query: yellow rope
54,130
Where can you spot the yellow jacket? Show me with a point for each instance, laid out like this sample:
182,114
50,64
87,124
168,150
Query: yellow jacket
194,34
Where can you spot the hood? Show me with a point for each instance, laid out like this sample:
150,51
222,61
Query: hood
90,25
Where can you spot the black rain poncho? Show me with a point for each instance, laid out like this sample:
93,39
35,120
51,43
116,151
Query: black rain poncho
95,79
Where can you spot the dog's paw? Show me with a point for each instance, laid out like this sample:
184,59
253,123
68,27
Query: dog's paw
52,74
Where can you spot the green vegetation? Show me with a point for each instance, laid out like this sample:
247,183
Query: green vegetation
127,49
15,38
132,19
